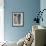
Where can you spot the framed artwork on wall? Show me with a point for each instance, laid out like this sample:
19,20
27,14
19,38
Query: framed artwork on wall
17,19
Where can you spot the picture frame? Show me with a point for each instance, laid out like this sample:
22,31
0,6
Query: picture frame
17,19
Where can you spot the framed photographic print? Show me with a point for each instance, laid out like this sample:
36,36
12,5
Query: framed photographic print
17,18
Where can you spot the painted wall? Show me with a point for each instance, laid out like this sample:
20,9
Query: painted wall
43,6
29,7
1,20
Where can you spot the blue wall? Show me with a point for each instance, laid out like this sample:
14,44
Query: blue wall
43,6
29,7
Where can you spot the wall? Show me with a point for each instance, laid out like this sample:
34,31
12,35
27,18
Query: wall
1,20
29,7
43,6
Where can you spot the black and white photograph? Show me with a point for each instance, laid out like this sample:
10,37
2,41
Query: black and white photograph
17,18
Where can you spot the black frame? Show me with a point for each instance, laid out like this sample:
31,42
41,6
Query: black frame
21,16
